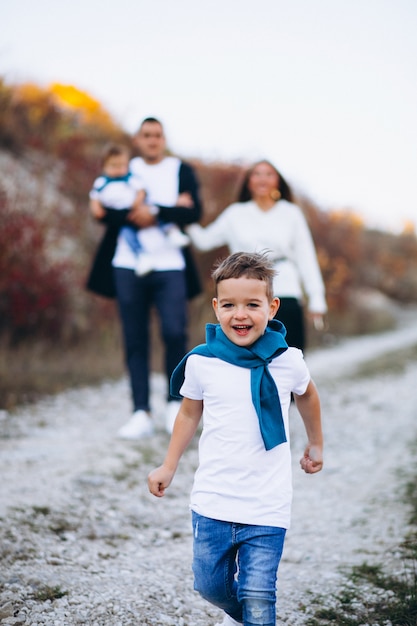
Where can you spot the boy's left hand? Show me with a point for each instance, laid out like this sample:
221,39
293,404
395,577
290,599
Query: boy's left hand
158,480
312,461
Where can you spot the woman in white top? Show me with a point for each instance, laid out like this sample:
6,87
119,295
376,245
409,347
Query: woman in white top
265,218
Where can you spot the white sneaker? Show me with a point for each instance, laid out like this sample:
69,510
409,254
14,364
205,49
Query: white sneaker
139,426
177,238
172,410
144,264
229,621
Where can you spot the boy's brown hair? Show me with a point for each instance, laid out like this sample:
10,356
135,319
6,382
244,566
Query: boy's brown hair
114,149
250,264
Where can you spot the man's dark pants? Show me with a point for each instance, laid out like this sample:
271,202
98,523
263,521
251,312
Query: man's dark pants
136,295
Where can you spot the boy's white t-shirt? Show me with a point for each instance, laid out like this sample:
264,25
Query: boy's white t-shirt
117,194
237,480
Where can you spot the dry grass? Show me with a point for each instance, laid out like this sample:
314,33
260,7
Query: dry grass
36,368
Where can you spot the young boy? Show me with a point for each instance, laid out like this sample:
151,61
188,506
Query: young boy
241,382
118,188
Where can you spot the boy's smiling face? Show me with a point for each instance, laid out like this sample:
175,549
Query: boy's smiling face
243,309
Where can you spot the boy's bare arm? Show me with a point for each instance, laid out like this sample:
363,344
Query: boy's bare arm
309,407
184,430
139,198
96,209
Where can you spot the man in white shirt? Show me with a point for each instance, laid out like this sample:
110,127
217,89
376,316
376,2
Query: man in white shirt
172,196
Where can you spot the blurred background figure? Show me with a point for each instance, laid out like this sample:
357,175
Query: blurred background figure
266,219
172,196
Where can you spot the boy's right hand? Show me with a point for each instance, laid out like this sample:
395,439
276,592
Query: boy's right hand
97,210
312,460
159,479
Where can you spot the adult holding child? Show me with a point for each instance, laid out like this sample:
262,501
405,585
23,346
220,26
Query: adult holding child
170,276
266,218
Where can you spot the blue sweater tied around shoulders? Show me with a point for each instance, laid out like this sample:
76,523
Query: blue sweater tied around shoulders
256,357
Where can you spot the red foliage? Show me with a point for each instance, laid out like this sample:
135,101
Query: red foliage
33,293
219,186
338,239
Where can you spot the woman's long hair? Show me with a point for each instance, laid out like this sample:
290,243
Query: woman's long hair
283,187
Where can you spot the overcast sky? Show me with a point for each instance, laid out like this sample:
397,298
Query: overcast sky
326,89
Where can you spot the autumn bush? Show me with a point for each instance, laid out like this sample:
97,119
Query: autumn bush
33,294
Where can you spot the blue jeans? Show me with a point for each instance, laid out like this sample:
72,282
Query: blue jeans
136,295
130,235
235,567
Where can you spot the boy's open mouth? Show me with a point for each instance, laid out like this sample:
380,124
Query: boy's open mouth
242,329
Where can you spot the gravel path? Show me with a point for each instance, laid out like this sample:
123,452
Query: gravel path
76,519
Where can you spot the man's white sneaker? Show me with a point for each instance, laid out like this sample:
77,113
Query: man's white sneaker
229,621
144,264
172,410
139,426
